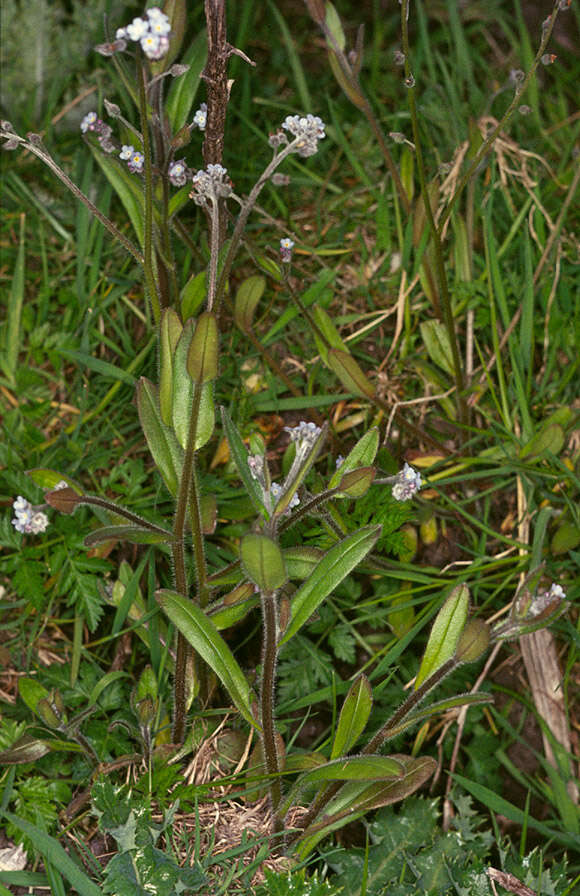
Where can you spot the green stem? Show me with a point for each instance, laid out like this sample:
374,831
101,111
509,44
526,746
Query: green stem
269,613
148,166
41,154
435,234
178,551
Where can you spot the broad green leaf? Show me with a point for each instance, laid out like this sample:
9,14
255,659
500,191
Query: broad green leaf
204,637
445,633
362,455
326,335
551,438
32,692
132,534
51,850
25,749
437,343
263,562
336,564
49,479
193,294
240,457
566,538
349,372
181,94
355,799
127,187
249,293
161,440
438,708
170,330
353,717
301,560
355,768
202,357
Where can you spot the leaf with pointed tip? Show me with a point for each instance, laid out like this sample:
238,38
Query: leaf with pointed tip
161,440
441,706
25,749
354,716
201,633
355,768
132,534
240,457
362,455
336,564
444,637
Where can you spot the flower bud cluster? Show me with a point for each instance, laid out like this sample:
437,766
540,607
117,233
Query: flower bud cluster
307,131
151,32
286,246
178,173
91,122
30,519
407,483
210,185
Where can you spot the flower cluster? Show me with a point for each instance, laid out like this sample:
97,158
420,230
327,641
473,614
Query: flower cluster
545,599
210,185
407,483
152,33
135,159
307,130
28,518
286,246
91,122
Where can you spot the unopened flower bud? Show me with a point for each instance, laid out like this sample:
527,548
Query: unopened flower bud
548,58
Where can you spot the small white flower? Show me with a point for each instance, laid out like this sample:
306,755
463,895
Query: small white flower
177,173
155,13
89,121
136,162
156,50
120,33
150,44
556,591
286,246
407,483
276,491
126,152
160,25
200,117
137,29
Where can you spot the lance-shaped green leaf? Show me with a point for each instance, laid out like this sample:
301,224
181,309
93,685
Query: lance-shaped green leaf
204,637
357,483
354,716
354,768
263,562
193,294
132,534
336,564
350,373
362,455
436,340
445,634
183,389
181,94
551,438
49,479
326,335
473,641
355,799
437,708
170,330
26,749
202,357
240,457
161,440
249,293
32,692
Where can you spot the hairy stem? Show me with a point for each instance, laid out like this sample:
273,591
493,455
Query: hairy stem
148,166
270,650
